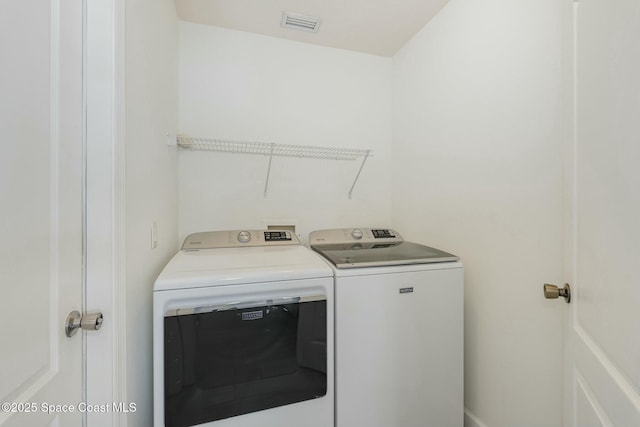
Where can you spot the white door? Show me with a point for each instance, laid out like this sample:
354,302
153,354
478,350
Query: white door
41,223
603,346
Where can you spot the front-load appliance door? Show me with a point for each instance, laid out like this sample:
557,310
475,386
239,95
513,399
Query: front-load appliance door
399,348
246,355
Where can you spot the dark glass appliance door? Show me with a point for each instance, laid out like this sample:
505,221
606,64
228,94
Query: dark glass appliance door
222,362
351,255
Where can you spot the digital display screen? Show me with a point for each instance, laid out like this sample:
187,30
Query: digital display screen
276,236
382,234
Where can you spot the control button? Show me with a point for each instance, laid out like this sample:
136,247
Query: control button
244,236
356,234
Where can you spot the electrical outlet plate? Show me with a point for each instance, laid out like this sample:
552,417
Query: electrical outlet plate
291,228
154,235
288,224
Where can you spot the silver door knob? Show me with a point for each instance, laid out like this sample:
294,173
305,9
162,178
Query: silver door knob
88,322
553,292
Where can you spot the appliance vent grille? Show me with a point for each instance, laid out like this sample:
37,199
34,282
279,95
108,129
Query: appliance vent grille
300,22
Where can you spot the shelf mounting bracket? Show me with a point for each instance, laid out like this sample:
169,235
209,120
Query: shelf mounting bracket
366,156
266,181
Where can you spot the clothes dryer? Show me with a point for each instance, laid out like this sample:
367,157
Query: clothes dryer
243,333
399,329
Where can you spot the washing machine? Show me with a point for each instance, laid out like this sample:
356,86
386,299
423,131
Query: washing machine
399,329
243,333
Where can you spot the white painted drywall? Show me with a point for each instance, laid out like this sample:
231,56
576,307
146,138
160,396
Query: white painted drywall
151,180
478,172
242,86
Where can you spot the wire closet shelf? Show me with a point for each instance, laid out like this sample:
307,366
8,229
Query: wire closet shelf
271,149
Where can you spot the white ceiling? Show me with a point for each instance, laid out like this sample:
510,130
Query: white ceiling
380,27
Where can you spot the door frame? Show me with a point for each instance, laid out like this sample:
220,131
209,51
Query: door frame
104,65
569,155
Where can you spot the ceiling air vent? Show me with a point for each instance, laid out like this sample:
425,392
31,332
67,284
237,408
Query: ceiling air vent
300,22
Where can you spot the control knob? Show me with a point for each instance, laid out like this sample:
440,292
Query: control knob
356,234
244,237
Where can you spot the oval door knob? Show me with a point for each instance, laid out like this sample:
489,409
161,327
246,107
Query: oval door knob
553,292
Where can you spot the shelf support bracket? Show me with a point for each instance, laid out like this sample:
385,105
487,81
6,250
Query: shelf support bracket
266,181
366,156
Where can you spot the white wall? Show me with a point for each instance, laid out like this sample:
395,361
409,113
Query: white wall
151,179
477,168
478,172
242,86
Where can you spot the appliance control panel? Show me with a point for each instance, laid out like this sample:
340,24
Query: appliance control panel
239,238
351,235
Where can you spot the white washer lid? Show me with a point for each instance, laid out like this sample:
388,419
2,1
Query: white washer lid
229,266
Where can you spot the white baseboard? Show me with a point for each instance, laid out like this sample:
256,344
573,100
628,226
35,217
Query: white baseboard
471,420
